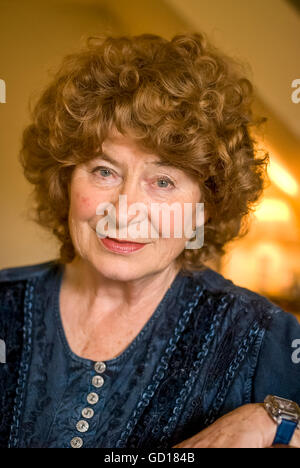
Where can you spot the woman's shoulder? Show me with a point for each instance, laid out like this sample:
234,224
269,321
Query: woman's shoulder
244,305
16,283
254,336
17,289
218,285
25,272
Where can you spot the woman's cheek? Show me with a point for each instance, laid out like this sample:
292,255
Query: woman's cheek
84,206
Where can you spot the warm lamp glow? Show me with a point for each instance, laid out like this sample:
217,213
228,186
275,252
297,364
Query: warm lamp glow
282,178
272,210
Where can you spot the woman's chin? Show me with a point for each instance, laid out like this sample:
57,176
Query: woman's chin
120,269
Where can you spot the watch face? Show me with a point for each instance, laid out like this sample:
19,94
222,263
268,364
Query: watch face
286,405
282,408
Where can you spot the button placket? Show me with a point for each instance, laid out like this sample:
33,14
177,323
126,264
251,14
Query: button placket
82,425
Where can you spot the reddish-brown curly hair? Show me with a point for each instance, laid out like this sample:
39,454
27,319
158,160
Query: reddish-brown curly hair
181,99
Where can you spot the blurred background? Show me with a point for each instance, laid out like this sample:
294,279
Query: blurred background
264,34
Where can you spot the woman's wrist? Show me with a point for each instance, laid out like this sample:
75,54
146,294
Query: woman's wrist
269,427
295,442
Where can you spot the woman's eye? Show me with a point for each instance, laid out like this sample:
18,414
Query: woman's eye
103,171
165,182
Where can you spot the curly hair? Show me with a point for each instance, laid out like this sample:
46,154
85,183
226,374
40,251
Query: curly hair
181,98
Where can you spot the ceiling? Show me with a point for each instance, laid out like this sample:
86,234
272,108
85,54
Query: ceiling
295,4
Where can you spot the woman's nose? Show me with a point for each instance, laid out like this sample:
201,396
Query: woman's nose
130,204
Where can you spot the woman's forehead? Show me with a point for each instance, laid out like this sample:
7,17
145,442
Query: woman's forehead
115,141
116,144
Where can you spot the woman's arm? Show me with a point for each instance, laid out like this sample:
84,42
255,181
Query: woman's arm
249,426
277,372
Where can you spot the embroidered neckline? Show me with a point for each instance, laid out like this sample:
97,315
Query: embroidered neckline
176,288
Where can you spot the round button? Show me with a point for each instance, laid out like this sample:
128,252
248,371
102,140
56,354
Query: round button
76,442
87,413
100,367
98,381
92,398
82,426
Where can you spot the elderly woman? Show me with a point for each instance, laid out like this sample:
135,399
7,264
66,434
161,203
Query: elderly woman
128,339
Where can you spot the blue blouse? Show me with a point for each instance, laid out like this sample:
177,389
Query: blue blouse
209,347
69,403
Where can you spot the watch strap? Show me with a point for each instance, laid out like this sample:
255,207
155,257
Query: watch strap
285,432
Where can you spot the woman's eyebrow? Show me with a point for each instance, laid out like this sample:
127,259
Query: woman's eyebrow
159,162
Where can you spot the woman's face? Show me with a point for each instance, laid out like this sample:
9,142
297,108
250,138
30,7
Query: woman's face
124,169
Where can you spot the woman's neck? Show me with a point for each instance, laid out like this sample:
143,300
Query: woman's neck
96,292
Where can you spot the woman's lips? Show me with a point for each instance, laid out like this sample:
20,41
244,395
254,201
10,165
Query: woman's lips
121,246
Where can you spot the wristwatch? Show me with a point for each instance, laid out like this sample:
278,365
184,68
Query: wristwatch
286,414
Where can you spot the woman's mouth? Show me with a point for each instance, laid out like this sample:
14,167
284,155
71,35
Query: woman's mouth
121,246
